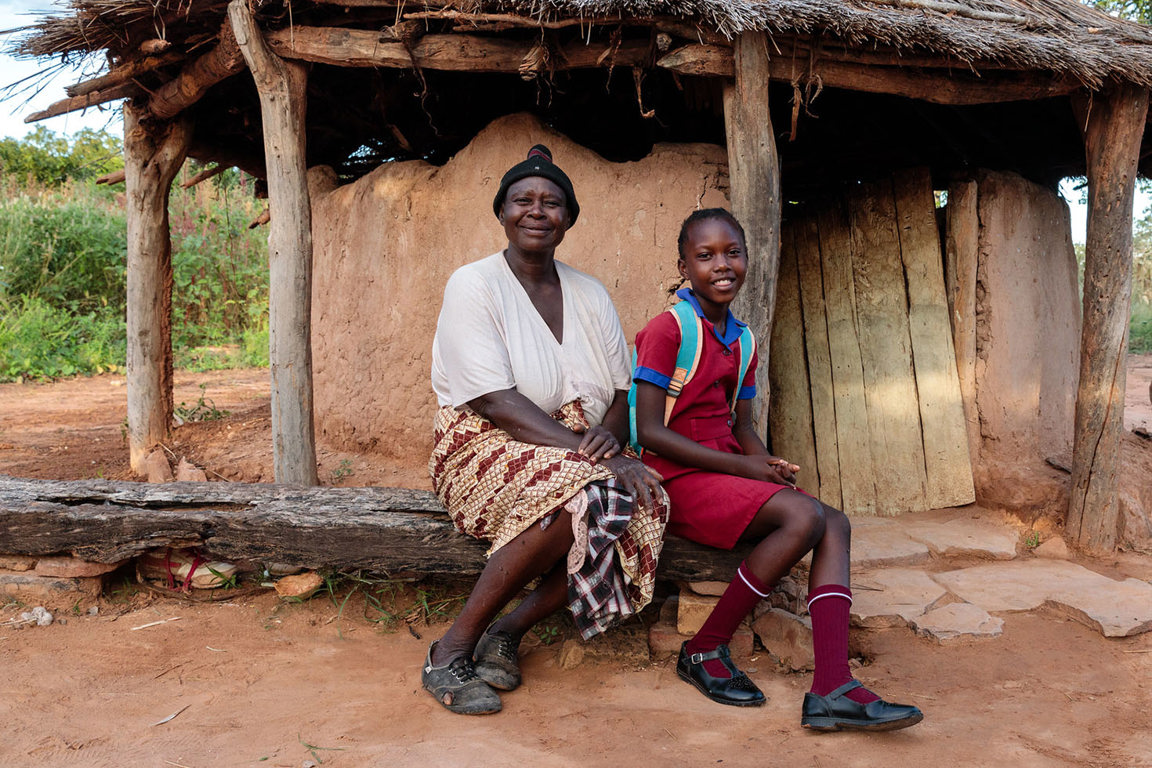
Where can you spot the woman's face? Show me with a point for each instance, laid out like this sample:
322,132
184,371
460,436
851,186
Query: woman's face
534,215
713,261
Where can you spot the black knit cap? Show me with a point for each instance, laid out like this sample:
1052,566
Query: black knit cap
539,163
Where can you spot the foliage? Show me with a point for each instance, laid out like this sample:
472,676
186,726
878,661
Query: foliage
63,250
46,158
39,341
1133,10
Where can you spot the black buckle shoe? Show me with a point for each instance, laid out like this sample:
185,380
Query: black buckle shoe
737,690
834,712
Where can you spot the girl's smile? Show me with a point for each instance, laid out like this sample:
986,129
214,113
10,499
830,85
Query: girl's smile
713,261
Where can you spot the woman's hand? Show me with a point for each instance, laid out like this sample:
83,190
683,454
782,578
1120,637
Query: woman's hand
599,443
638,479
765,467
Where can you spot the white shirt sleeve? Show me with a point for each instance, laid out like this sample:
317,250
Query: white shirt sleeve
469,354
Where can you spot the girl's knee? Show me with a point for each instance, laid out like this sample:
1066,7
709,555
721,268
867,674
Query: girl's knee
807,517
837,523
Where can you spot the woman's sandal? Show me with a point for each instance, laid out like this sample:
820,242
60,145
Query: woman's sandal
457,686
497,660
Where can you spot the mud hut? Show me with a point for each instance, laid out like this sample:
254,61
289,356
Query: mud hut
921,355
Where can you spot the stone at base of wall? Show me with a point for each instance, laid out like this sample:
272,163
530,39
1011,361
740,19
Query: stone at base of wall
787,637
49,591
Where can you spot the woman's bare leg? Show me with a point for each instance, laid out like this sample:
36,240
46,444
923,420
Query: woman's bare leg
531,554
550,596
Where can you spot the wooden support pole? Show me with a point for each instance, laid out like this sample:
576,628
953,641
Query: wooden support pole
282,88
1113,128
153,153
754,173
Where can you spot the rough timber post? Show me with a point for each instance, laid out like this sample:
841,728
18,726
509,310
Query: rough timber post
1113,124
281,85
754,177
153,153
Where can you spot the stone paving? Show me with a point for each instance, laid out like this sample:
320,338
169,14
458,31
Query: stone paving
950,575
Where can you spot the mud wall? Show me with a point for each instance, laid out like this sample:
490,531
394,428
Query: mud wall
1027,343
385,245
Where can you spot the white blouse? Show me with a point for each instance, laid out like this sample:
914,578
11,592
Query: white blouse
490,337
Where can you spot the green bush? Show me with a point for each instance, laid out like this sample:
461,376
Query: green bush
40,341
1140,332
66,247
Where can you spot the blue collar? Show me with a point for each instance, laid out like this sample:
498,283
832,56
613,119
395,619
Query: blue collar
732,327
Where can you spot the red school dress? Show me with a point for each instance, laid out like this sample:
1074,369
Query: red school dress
707,507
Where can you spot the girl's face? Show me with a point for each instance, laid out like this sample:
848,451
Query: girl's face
713,261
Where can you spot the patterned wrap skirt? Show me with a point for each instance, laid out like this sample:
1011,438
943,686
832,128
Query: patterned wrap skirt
495,488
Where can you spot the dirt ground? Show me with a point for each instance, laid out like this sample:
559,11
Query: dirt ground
257,682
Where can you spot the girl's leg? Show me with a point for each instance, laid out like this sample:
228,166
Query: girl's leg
788,525
532,553
829,604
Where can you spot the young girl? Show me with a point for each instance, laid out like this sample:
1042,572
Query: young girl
725,487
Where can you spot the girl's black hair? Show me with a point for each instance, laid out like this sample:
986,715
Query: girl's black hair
702,215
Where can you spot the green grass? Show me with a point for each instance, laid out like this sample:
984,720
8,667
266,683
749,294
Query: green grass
1140,332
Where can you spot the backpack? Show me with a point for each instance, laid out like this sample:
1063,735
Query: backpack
687,359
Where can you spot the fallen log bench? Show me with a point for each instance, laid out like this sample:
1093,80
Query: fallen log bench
379,530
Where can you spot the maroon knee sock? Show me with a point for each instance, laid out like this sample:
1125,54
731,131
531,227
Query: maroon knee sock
737,602
829,608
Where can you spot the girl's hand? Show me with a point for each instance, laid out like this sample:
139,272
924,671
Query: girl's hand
763,467
638,479
599,443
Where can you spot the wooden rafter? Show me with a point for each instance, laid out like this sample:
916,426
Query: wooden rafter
938,87
453,52
196,78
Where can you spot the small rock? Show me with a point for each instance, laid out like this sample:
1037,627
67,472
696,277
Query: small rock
38,615
571,654
692,611
17,563
283,569
1054,549
301,586
186,471
72,567
709,588
958,620
787,637
94,610
156,467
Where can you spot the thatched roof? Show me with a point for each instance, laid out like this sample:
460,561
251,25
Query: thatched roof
860,86
1057,36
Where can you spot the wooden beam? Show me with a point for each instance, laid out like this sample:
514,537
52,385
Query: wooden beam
153,153
1113,130
935,86
116,177
196,78
383,530
203,176
754,173
282,88
459,53
92,99
124,73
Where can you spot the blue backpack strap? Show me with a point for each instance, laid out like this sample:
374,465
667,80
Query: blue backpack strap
687,359
747,346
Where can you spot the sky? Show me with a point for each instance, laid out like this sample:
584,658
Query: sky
16,13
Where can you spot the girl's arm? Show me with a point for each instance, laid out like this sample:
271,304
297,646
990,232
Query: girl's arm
661,440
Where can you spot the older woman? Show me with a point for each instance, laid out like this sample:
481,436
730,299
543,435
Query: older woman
531,371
